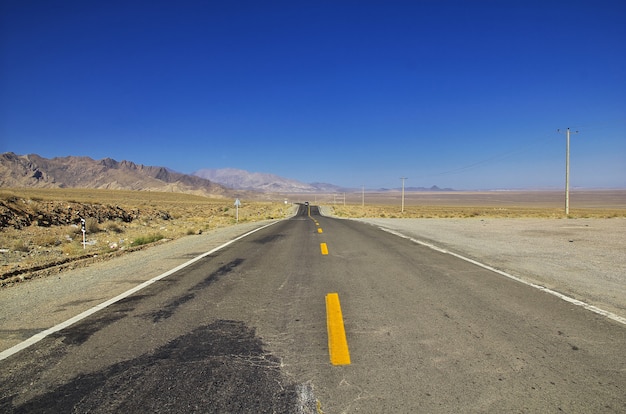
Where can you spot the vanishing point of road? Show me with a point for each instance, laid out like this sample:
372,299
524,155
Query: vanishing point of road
246,328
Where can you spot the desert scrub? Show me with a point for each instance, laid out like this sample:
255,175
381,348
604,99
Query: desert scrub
46,239
20,246
114,228
147,239
72,249
92,225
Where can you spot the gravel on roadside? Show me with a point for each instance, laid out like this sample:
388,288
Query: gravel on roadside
581,258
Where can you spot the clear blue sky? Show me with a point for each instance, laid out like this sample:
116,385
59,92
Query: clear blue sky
461,94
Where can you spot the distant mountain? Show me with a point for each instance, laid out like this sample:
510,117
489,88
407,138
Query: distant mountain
83,172
255,181
415,189
433,188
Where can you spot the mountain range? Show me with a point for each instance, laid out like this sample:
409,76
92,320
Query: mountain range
33,170
83,172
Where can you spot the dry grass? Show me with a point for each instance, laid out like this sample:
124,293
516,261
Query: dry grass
429,211
506,204
35,246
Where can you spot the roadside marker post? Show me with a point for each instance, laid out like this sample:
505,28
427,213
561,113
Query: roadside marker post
237,204
82,228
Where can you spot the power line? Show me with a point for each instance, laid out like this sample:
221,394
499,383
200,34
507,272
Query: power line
476,164
539,146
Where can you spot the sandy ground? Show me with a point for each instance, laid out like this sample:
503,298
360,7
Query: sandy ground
582,258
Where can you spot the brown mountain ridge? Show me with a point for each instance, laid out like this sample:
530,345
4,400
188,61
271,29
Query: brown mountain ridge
33,170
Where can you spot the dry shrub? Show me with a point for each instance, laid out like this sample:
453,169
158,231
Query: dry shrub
20,246
139,241
47,239
92,225
114,228
72,249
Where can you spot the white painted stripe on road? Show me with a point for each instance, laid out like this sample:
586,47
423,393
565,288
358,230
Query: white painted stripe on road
41,335
559,295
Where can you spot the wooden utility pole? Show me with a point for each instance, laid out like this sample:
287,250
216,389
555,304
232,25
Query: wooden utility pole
403,178
567,134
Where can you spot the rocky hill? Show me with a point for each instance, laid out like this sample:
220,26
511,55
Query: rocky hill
83,172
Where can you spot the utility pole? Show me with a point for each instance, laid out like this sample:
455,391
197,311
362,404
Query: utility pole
363,196
567,134
403,178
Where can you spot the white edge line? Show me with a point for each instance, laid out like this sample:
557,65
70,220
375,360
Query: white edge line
559,295
41,335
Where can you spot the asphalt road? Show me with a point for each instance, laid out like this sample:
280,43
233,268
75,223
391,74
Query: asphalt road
245,330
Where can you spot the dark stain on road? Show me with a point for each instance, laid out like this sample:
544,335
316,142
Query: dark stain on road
170,308
218,274
269,238
218,368
79,333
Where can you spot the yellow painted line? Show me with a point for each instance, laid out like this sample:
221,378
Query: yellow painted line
337,342
324,248
319,230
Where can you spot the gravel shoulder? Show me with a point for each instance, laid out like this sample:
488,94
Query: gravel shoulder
581,258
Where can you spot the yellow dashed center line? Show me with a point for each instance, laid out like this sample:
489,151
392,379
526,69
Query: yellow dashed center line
324,248
337,342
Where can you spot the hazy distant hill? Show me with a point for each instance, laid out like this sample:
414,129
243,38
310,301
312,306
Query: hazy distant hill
433,188
83,172
244,180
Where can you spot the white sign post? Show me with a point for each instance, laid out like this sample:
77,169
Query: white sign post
82,228
237,204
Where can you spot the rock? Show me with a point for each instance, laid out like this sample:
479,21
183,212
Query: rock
20,213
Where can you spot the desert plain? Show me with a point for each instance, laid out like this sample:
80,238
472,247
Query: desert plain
525,233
